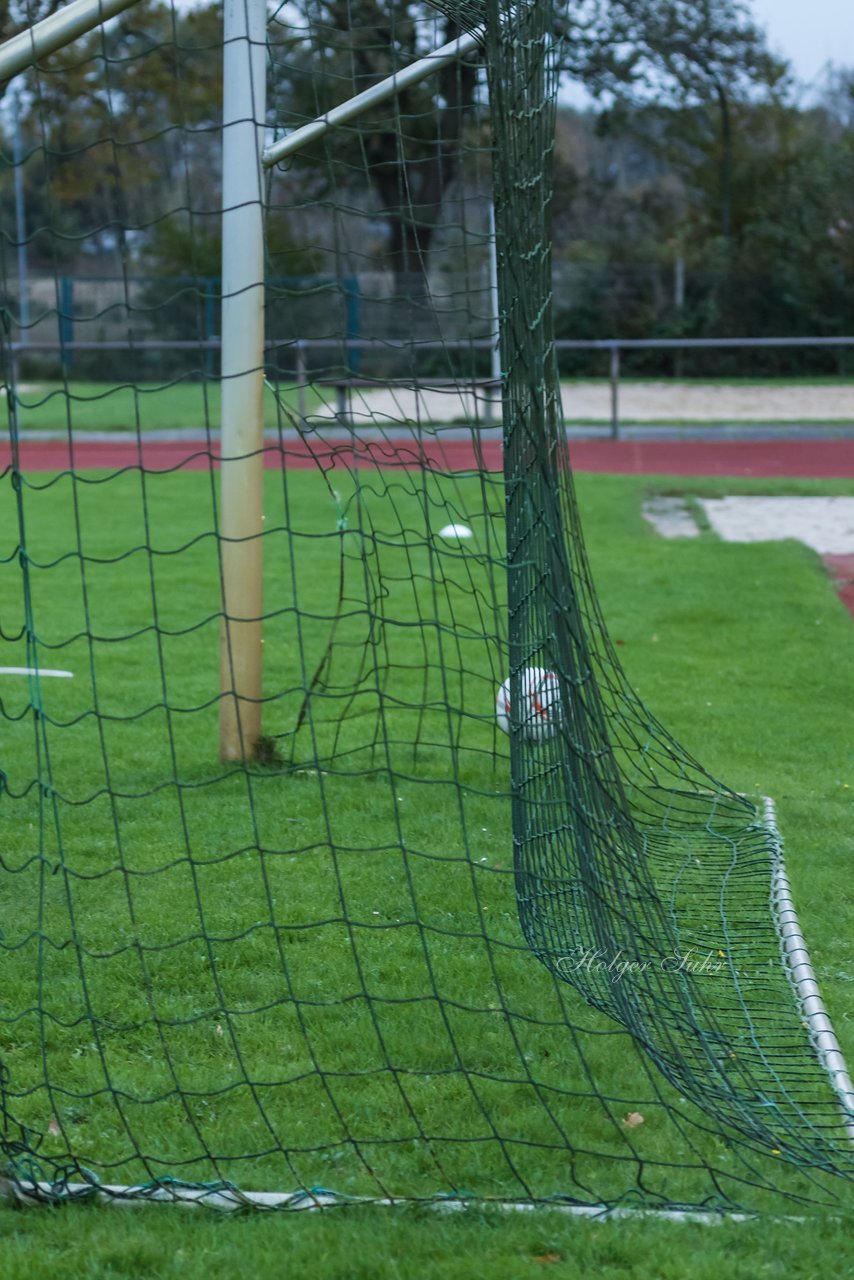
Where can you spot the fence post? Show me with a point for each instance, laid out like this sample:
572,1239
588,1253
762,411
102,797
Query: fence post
210,283
352,304
495,389
66,322
615,392
342,396
301,382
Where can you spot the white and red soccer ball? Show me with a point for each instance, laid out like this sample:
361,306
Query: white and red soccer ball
540,712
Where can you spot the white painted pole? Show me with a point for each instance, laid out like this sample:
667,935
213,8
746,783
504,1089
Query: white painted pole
494,392
242,466
56,32
356,106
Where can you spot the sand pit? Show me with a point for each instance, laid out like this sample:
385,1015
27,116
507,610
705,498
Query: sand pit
824,524
638,402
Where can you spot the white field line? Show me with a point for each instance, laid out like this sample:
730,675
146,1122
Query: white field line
36,671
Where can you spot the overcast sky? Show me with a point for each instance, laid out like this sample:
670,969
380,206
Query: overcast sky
809,33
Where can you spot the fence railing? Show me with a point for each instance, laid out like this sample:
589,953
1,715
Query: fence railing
345,381
616,345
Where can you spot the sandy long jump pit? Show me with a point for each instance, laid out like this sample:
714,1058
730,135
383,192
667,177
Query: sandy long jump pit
826,524
657,401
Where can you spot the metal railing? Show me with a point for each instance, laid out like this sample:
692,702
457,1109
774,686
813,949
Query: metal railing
346,381
616,345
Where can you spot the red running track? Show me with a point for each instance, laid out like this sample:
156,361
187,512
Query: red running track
768,458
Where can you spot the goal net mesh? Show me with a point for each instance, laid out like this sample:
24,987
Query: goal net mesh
398,953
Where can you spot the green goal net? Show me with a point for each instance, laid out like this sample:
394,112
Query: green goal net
464,921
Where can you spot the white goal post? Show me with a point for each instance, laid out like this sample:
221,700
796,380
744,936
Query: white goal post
368,98
242,376
242,324
53,33
242,329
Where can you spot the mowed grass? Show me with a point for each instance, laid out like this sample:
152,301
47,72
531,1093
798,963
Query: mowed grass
169,406
315,971
195,405
412,1244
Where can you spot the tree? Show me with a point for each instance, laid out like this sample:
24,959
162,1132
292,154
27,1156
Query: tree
408,151
677,54
797,221
155,67
130,118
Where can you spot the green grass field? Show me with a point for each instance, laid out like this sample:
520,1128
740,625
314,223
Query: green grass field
239,956
99,406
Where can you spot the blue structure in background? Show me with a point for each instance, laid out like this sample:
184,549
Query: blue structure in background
208,292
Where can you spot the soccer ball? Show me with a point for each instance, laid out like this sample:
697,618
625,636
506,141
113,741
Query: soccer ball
541,711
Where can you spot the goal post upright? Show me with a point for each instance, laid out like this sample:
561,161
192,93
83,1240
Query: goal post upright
242,322
242,377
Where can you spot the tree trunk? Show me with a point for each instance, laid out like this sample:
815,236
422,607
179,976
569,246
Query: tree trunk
726,163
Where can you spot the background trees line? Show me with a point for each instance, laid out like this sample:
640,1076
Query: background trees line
697,198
